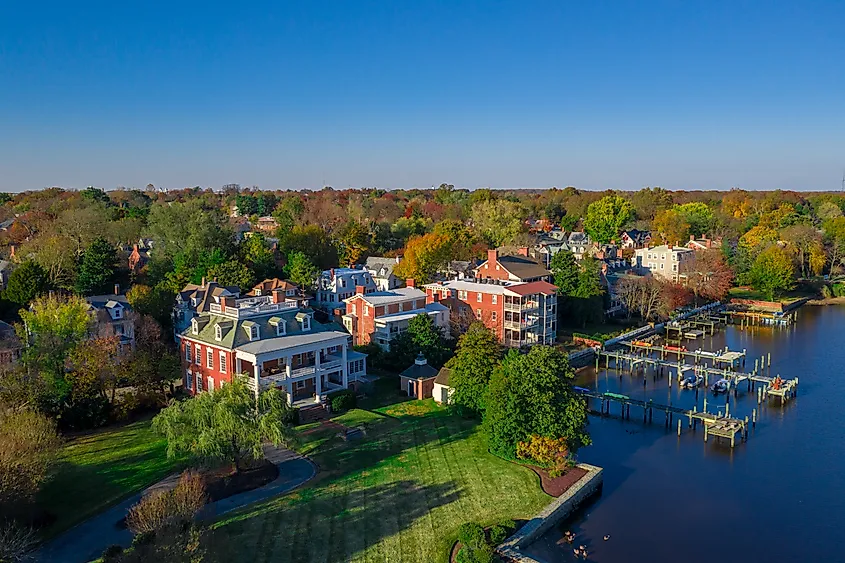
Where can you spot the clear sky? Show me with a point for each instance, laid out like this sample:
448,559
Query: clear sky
681,94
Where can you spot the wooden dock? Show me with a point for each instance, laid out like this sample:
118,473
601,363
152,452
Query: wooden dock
718,424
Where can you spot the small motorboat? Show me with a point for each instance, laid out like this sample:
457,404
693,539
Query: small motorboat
720,386
692,381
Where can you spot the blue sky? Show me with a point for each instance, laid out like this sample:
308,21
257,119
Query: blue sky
684,95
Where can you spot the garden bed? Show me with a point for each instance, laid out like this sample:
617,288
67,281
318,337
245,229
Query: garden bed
556,486
223,483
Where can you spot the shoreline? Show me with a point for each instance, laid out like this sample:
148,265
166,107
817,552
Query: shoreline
826,301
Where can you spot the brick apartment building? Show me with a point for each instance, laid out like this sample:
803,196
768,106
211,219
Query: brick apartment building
520,314
381,315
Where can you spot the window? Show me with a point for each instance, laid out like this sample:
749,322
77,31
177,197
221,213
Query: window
195,326
188,352
199,383
495,299
462,294
211,383
117,312
300,385
218,332
353,308
189,381
661,265
209,358
479,297
478,314
223,362
674,267
198,355
366,311
253,332
306,323
493,316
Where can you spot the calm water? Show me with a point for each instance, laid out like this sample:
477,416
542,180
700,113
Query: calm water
779,497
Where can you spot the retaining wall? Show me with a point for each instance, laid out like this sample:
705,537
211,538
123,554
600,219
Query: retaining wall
559,509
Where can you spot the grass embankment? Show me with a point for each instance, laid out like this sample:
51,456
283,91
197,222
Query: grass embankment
398,494
97,470
786,298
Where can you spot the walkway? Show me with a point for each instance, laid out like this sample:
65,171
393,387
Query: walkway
86,541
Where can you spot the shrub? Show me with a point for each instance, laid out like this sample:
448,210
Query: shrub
549,453
839,289
342,400
827,292
483,554
16,542
164,508
471,534
291,417
28,447
498,534
112,553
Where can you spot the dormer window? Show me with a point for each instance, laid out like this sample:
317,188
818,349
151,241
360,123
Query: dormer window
195,327
279,323
117,312
306,323
194,301
218,332
253,332
257,292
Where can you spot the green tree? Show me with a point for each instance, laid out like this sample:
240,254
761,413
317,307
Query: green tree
606,217
96,272
588,302
312,241
228,425
301,271
422,336
26,282
531,394
834,231
477,356
157,302
498,220
233,273
256,254
698,215
354,240
773,271
565,271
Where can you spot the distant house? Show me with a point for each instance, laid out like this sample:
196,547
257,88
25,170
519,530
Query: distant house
112,318
10,345
288,290
703,243
382,271
138,258
195,299
546,248
336,285
665,261
634,238
241,226
520,268
6,268
267,224
418,380
459,270
442,392
579,244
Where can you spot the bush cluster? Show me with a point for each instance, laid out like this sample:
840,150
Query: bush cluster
342,400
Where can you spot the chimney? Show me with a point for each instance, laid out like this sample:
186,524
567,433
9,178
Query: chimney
492,256
691,238
117,289
522,251
410,282
360,290
278,295
12,249
203,281
398,259
709,243
135,247
227,302
331,273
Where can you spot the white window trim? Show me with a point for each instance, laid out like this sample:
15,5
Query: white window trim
209,358
495,299
224,368
188,356
198,355
479,297
218,333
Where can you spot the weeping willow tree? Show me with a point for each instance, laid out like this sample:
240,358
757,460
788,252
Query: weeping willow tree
228,425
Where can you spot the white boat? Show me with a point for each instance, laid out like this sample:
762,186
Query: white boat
720,386
692,381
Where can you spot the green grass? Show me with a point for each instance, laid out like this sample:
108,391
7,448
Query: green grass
399,494
748,293
97,470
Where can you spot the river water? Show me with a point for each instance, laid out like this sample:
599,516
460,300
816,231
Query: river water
779,497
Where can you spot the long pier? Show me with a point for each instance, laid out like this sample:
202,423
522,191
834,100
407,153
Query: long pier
718,425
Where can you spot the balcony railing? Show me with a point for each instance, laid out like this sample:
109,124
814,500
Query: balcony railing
513,306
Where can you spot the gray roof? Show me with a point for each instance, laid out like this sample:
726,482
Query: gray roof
100,302
443,377
391,296
380,267
281,342
420,371
522,267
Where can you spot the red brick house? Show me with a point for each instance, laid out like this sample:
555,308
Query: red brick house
520,314
418,380
381,315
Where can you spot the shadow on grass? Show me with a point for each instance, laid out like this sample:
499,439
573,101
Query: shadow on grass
332,524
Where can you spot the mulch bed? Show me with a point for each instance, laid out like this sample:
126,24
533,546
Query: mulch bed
223,483
558,485
326,424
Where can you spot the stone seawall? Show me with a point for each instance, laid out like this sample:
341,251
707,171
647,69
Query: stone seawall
559,509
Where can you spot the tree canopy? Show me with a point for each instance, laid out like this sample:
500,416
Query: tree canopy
606,217
477,356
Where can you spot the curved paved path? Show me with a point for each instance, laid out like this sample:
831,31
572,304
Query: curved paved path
86,541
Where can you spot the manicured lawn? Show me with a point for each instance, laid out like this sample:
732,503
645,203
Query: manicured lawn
98,470
398,494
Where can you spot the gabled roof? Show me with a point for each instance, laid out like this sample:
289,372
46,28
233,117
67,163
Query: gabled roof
443,377
380,267
522,267
108,301
270,284
205,294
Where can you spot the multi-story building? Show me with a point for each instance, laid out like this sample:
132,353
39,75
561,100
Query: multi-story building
380,316
519,268
196,299
338,284
112,317
272,343
520,314
579,244
665,261
382,271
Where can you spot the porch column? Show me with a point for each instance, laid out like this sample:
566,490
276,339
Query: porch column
344,368
319,381
288,384
256,375
317,355
289,390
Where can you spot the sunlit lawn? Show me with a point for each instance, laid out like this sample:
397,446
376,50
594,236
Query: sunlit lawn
397,494
97,470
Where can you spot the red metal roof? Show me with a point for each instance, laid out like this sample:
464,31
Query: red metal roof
533,287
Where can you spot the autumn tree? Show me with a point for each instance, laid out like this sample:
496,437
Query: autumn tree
834,231
670,227
807,242
641,295
698,215
93,377
606,217
708,275
354,241
423,257
311,240
648,202
773,271
477,356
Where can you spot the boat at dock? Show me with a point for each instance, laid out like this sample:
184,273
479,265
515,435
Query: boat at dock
720,386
